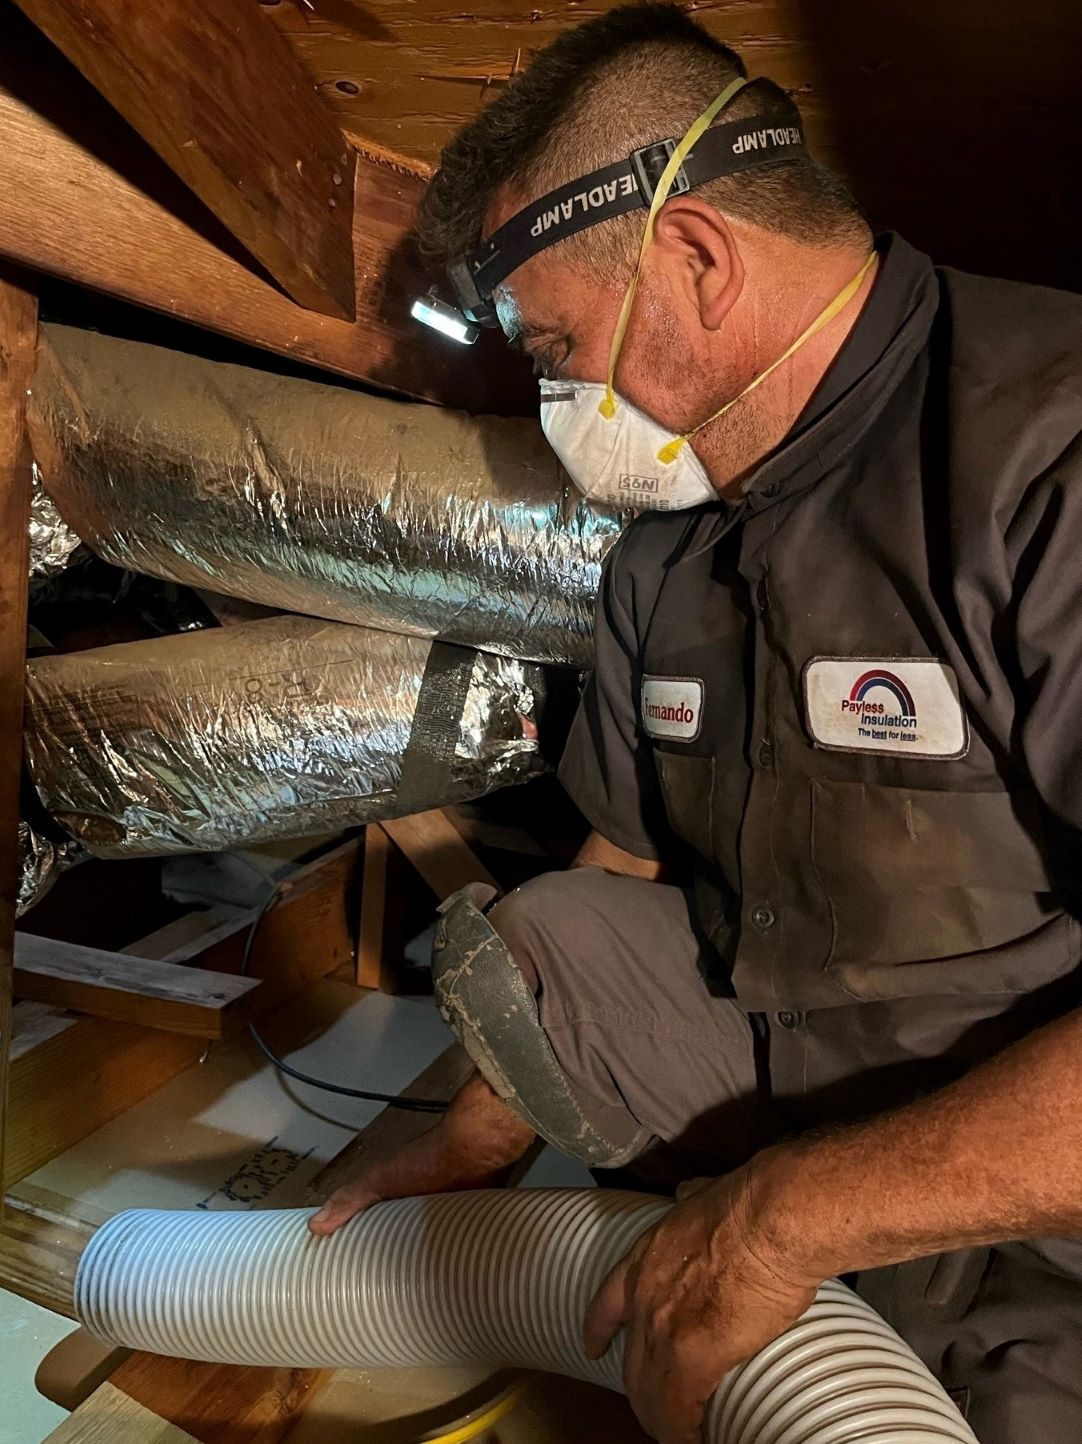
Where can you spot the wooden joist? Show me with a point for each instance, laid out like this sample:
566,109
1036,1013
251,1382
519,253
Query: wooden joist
382,941
82,197
18,343
436,849
40,1250
110,1416
111,1066
216,91
166,996
310,932
107,1066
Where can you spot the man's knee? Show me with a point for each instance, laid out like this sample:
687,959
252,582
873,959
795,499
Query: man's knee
484,993
528,922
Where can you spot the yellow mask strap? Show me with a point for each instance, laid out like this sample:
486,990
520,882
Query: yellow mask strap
661,195
671,449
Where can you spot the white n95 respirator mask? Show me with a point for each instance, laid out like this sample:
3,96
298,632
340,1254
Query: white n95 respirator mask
615,459
613,451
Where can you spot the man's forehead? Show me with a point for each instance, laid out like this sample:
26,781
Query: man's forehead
536,297
526,302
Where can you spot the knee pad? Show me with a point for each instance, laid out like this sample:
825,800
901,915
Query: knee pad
493,1013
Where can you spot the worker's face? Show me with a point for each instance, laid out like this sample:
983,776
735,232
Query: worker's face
564,318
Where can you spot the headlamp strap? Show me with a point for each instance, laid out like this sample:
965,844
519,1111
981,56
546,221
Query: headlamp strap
627,185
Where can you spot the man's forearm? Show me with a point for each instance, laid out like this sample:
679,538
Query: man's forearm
995,1156
598,851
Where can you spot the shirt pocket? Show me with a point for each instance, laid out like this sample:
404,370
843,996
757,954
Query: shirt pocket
935,892
687,785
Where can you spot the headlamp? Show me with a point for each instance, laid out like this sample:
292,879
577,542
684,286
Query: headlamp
773,136
443,318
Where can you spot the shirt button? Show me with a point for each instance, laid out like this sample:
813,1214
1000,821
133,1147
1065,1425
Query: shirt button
763,917
766,755
787,1020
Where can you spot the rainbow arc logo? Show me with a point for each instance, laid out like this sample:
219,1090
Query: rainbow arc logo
878,677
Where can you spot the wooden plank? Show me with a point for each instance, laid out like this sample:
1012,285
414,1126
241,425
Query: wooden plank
75,1366
439,852
218,94
219,1403
109,1416
126,989
111,1066
102,210
480,831
18,344
40,1250
409,75
382,940
107,1066
311,930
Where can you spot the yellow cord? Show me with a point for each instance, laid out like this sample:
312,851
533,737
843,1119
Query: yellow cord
670,450
492,1415
661,195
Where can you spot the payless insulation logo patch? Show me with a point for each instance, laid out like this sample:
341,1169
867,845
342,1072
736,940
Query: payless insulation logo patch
908,706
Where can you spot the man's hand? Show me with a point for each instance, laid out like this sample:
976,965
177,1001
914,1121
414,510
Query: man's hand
472,1146
703,1291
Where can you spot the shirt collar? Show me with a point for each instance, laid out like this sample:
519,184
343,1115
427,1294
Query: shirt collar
890,331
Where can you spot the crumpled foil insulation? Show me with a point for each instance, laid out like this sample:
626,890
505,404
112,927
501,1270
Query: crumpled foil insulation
317,498
40,863
52,541
269,729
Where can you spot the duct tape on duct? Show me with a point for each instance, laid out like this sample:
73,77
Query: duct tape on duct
318,498
276,728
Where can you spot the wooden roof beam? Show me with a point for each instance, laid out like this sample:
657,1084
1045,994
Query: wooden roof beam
83,197
214,88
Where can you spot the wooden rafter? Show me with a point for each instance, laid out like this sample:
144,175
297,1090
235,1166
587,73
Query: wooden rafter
216,91
18,343
83,198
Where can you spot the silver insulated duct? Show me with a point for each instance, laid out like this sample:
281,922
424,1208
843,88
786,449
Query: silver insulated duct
277,728
316,498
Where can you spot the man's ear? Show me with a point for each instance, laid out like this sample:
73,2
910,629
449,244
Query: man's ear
699,239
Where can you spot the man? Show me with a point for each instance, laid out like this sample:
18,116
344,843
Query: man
839,686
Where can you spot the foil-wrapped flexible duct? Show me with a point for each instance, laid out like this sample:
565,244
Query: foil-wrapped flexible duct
317,498
277,728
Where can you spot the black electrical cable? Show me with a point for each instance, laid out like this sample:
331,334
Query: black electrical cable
410,1105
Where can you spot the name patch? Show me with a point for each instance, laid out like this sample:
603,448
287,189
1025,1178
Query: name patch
672,707
907,706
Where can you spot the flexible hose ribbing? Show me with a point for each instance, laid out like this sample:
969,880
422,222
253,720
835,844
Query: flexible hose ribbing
495,1277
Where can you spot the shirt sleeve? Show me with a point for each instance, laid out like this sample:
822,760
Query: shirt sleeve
608,767
1048,585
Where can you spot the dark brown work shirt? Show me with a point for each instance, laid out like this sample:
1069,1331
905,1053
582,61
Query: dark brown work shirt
854,698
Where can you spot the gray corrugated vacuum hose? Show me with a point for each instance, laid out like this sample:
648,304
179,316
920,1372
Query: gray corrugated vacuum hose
494,1277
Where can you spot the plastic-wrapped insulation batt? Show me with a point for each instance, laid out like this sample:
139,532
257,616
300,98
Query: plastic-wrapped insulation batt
318,498
276,728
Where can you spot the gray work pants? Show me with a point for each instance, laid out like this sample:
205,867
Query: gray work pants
656,1053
